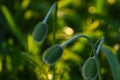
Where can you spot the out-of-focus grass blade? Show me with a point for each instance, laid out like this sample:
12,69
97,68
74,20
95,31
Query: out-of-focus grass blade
8,63
31,59
99,6
12,25
113,62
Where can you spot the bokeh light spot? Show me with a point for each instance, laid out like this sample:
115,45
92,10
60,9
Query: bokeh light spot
28,14
68,30
111,1
25,3
91,9
94,25
50,76
116,47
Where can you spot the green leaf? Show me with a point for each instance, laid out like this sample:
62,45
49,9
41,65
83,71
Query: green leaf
113,62
52,54
40,32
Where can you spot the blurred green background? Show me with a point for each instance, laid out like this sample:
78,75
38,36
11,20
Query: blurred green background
18,18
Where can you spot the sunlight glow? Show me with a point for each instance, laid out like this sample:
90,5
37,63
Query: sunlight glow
68,30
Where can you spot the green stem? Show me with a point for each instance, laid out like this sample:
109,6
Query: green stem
55,24
100,45
93,49
49,12
76,37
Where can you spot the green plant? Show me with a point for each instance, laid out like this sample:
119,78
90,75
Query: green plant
23,44
41,28
89,70
55,52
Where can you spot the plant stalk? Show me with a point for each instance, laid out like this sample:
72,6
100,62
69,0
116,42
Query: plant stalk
55,24
49,12
100,45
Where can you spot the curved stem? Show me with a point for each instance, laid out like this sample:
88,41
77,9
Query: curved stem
93,49
49,12
76,37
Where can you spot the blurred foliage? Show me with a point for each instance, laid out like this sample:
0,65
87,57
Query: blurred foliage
95,18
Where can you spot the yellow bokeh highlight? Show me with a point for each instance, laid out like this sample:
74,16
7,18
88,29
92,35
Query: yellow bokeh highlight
32,47
28,14
111,1
25,3
1,59
116,47
30,44
93,26
63,3
91,9
68,30
50,76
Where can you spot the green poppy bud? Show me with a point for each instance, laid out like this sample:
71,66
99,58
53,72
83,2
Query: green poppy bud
40,32
52,54
89,70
